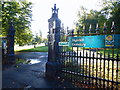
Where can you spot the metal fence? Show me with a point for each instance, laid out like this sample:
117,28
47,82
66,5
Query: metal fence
90,67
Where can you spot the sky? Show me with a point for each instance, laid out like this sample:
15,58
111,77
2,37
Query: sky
41,11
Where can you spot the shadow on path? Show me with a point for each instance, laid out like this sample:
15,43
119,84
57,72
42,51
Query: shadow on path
30,75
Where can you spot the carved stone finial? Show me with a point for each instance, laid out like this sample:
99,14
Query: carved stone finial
55,6
55,10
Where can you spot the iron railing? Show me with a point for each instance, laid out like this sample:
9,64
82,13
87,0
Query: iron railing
91,67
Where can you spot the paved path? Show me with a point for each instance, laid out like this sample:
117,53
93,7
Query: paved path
17,47
30,75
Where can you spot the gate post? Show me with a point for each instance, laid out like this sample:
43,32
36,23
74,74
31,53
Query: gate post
10,44
52,66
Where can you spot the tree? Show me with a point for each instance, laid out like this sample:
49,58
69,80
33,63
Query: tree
116,15
45,40
37,39
109,13
40,32
20,14
112,12
86,18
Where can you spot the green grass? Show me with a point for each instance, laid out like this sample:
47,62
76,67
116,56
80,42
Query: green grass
110,51
37,49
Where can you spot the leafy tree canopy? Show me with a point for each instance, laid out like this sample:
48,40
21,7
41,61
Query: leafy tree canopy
20,14
109,13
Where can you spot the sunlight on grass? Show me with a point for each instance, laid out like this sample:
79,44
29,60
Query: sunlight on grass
110,51
37,49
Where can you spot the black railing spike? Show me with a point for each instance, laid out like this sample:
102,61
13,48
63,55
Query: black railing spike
67,27
67,31
117,56
90,30
78,31
97,28
83,30
113,27
72,31
100,54
93,54
108,55
74,53
86,54
80,53
104,28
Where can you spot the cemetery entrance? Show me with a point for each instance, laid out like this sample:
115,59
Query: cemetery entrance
87,58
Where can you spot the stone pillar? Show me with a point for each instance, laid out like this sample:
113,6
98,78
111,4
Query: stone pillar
10,44
52,66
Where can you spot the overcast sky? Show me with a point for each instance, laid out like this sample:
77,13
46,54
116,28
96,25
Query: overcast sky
67,13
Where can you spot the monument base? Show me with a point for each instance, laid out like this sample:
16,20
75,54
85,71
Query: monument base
52,70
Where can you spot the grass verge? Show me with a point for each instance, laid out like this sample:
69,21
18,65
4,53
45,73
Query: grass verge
37,49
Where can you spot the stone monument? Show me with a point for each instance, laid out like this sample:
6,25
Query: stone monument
52,66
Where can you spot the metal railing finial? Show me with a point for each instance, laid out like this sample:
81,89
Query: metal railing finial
90,28
97,28
104,28
113,27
